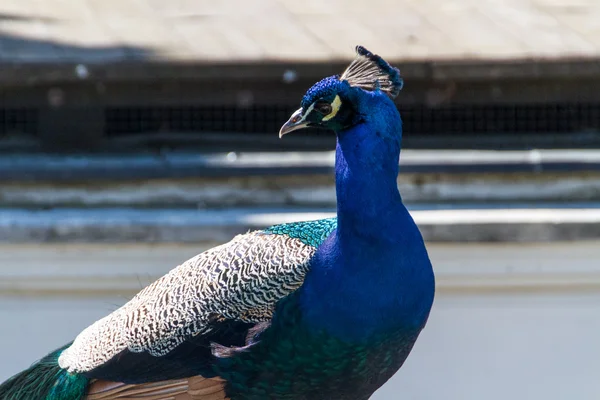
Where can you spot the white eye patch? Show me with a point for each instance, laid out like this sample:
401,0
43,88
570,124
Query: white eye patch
335,107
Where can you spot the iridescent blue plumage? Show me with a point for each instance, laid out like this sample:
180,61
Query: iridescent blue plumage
317,310
322,89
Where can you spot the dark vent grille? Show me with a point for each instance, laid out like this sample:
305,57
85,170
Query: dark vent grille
263,119
454,119
504,119
17,121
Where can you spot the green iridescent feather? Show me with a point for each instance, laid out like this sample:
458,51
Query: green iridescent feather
311,233
313,363
45,380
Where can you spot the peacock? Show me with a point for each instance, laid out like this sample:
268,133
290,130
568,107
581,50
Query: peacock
313,310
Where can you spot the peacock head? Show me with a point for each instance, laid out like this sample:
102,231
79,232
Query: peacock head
333,103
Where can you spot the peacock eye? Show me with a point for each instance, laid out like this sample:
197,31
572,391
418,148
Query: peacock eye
323,107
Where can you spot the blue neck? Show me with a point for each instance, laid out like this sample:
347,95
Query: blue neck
366,171
366,187
372,275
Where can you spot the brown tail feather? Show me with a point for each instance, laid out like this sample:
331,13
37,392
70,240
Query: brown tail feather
194,388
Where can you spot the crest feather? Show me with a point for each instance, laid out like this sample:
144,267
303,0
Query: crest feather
370,72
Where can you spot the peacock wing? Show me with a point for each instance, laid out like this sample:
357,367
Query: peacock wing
168,329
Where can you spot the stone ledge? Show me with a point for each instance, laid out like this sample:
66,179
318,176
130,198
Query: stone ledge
305,190
173,165
86,270
200,226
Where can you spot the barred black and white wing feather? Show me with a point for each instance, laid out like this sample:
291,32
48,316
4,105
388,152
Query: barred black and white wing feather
236,283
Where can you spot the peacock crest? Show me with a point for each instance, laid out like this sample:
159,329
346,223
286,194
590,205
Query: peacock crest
370,72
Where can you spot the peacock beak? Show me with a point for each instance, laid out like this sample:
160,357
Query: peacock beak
295,122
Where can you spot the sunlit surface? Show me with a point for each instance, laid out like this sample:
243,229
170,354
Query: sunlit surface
538,342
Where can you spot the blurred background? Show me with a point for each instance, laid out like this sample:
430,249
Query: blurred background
137,133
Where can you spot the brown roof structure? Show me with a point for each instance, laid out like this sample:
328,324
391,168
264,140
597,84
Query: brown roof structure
309,30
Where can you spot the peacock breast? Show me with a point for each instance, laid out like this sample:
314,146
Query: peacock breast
293,361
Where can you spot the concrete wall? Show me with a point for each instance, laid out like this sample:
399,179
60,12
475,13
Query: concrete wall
509,321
